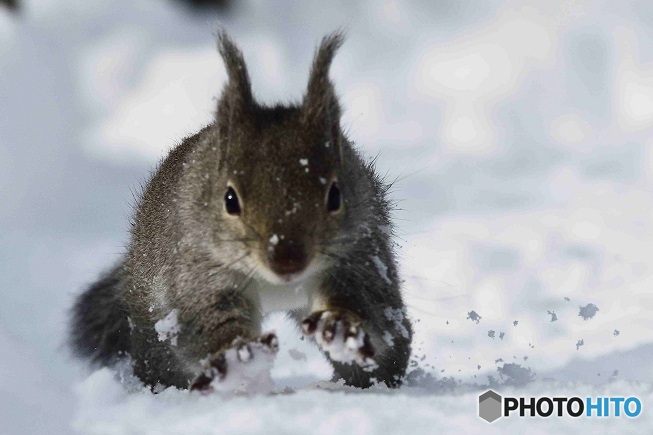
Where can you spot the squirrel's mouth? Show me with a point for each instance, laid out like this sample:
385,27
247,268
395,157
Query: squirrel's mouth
290,277
287,271
286,278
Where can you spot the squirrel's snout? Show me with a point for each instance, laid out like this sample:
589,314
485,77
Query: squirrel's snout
287,257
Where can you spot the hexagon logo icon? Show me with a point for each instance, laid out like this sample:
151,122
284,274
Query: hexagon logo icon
489,406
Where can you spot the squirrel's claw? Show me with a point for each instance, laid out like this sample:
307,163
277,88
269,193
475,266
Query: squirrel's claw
340,334
216,366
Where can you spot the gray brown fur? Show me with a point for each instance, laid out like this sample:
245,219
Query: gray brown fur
187,254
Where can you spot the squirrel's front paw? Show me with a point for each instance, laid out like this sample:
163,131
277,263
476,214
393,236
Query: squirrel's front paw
243,367
340,333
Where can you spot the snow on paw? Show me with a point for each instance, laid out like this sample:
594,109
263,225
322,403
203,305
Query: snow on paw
340,334
243,368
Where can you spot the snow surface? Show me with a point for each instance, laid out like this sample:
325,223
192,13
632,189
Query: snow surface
325,409
521,140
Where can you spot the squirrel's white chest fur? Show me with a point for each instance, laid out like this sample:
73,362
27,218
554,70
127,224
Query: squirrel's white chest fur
287,296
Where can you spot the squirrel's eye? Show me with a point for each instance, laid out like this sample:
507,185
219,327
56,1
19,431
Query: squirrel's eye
231,202
333,200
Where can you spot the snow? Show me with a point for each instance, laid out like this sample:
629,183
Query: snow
520,136
388,338
588,311
168,328
397,315
248,371
381,268
474,317
297,355
325,409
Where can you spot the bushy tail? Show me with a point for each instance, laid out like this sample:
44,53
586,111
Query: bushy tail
99,328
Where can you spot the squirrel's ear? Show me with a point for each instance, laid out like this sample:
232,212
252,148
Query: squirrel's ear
320,105
236,101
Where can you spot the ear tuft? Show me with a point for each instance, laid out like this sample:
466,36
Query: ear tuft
234,62
236,102
320,103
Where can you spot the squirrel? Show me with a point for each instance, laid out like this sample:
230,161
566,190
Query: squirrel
266,209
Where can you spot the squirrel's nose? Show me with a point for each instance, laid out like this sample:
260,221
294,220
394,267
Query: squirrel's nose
287,257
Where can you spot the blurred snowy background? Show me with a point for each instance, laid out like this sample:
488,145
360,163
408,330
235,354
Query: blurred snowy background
522,137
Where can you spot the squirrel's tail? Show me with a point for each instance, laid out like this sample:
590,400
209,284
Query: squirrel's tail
99,328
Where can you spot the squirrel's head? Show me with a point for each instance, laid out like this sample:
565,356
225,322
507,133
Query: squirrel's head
279,168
